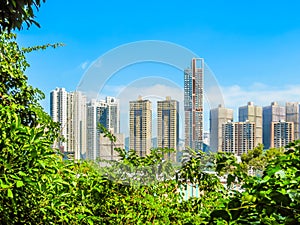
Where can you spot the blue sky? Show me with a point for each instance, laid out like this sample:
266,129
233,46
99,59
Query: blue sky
253,47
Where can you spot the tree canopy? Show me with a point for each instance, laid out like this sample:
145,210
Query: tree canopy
38,187
13,13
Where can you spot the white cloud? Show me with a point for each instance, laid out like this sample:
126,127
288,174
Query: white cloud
84,65
234,96
261,94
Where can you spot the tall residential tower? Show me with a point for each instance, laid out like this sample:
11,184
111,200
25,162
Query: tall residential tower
168,126
238,137
58,113
218,117
282,133
293,115
253,114
193,104
272,113
140,126
76,124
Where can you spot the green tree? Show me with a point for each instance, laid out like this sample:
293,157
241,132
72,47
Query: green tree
258,158
14,12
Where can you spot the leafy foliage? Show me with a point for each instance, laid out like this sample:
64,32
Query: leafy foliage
38,187
257,159
14,12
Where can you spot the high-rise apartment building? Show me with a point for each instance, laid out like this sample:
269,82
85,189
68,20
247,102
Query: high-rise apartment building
238,137
140,126
293,115
168,126
58,113
193,104
107,113
69,109
96,110
107,148
282,133
272,113
112,115
76,124
218,117
253,114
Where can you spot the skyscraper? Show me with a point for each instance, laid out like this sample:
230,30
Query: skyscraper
193,104
168,126
293,115
253,114
272,113
218,117
238,137
96,110
69,109
112,115
76,124
282,133
107,113
140,122
58,113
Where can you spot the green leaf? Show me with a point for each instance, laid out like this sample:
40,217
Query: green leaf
20,183
90,222
9,193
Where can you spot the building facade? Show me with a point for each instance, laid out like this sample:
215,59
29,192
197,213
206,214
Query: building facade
96,110
253,113
76,125
58,113
168,126
282,133
107,148
272,113
140,126
293,115
218,117
238,137
193,104
112,115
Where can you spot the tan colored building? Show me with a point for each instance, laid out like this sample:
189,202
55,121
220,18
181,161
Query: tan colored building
140,126
253,113
218,117
282,133
168,126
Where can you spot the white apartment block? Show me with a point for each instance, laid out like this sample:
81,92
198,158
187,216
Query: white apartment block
282,133
238,137
112,115
95,110
76,124
58,113
69,109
